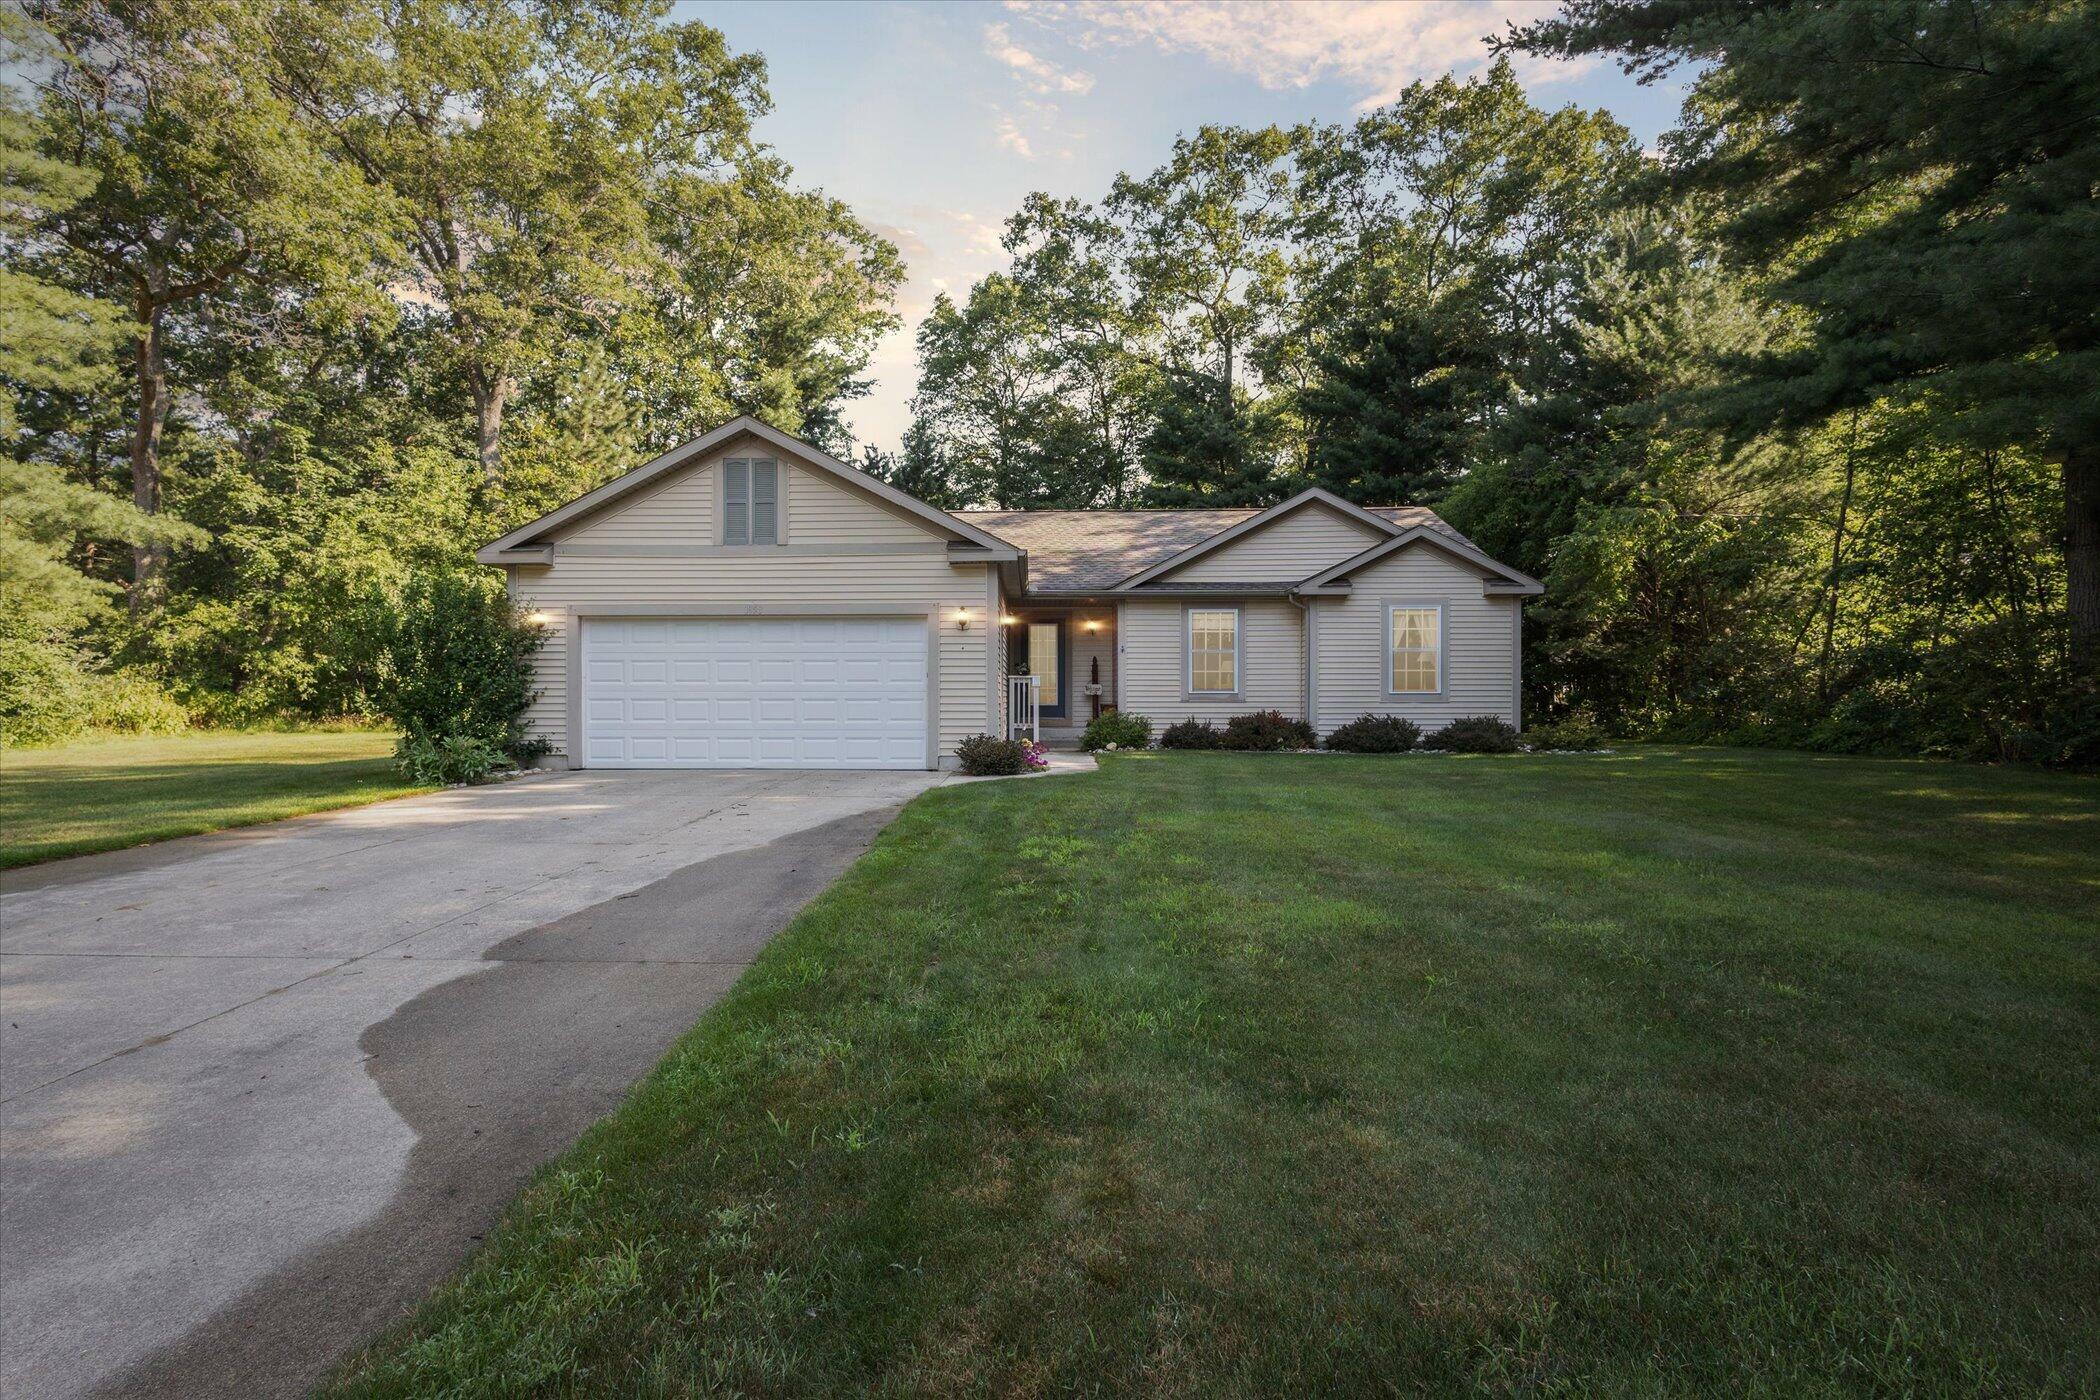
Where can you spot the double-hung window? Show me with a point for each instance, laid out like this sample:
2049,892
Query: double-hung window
750,501
1214,651
1415,648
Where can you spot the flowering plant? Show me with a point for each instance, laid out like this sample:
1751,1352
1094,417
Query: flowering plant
1033,757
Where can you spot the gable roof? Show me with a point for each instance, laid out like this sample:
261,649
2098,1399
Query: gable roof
1093,551
1312,495
1506,579
687,453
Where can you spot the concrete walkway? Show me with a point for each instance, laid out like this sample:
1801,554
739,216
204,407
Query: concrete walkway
259,1091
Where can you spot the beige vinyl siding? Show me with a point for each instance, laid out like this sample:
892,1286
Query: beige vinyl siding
913,583
1349,642
1298,546
1272,660
821,511
677,513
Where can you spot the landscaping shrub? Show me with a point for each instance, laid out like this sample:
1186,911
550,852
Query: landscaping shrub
1116,730
1376,734
982,756
1267,731
448,758
1191,734
1475,734
455,663
1574,732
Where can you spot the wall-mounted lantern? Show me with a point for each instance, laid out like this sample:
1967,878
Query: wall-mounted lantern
962,619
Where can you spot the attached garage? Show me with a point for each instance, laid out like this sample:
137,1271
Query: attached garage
747,601
720,692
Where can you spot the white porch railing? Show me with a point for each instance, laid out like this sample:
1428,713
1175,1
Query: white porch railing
1024,707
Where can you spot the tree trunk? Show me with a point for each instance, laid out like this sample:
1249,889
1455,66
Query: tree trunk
1837,561
2082,557
148,561
490,396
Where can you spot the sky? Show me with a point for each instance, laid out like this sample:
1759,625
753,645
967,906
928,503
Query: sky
932,121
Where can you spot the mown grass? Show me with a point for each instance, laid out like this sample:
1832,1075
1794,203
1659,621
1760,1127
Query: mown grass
106,794
1673,1071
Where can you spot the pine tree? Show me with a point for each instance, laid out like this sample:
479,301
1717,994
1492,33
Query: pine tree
1383,416
1209,447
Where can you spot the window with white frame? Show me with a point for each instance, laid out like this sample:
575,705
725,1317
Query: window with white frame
1214,651
750,501
1415,639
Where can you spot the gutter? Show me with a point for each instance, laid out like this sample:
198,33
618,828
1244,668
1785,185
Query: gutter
1304,607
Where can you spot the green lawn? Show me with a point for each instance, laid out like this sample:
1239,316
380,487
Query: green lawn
104,794
1671,1071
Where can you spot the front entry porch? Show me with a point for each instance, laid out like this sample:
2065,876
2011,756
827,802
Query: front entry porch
1061,671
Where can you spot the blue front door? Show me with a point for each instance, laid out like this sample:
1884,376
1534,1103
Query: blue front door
1044,649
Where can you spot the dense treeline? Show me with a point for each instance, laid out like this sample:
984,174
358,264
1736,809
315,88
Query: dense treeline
1797,415
303,299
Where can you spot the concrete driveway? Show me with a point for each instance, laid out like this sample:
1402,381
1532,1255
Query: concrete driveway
259,1091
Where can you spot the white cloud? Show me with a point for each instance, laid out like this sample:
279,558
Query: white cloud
1039,72
1374,46
1010,138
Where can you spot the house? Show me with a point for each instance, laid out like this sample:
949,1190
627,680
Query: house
746,600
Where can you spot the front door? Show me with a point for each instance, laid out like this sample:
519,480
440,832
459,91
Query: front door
1043,648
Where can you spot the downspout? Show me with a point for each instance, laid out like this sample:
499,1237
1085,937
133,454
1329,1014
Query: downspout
1304,607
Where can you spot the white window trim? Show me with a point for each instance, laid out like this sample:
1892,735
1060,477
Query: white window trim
1188,652
1443,647
780,507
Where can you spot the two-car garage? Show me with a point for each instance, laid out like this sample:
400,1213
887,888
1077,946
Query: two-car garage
775,692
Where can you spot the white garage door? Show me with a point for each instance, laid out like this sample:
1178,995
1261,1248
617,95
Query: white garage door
753,693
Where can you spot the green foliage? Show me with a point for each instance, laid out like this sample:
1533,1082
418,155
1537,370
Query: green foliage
1572,732
51,692
1266,731
434,760
1474,734
455,663
1191,734
984,756
1386,418
1929,249
1210,445
1118,727
1375,734
920,471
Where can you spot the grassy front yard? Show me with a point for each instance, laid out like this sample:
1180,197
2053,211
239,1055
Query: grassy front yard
1675,1070
105,794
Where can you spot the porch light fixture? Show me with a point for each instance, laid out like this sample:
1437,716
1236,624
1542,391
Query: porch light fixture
962,619
536,618
1007,619
1091,625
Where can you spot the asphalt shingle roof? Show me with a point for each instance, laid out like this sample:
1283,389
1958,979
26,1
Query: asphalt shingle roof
1082,550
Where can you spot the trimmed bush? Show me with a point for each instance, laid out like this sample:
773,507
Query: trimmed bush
1116,729
456,663
982,756
1376,734
448,758
1267,731
1576,732
1474,734
1191,734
